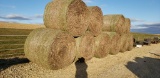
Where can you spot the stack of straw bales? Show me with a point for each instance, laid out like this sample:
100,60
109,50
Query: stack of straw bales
118,27
74,30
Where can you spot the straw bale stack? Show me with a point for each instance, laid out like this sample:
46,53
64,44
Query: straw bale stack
85,46
114,43
127,25
113,23
130,42
102,45
67,15
50,48
96,20
124,43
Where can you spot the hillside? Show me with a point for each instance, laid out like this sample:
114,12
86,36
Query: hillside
20,26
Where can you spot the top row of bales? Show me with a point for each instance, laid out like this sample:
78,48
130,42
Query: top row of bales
73,16
72,31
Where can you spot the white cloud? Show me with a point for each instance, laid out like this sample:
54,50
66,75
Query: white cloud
15,17
138,27
38,16
136,20
150,24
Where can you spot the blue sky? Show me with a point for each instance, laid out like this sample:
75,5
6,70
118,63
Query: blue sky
144,14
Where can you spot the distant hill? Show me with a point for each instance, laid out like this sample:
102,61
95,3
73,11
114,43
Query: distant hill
20,26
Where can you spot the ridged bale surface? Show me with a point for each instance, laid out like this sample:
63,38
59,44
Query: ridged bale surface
102,45
96,20
50,48
85,46
127,25
114,43
68,15
113,23
124,43
130,42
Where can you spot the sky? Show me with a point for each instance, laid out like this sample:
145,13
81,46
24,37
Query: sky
144,14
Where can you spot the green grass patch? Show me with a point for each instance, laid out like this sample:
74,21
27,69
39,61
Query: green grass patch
142,36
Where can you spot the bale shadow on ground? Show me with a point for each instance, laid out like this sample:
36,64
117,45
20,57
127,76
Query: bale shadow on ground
145,67
81,68
5,63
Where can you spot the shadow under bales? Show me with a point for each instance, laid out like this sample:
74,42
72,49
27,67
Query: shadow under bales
145,67
81,68
5,63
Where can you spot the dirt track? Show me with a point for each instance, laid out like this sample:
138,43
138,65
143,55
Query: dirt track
138,63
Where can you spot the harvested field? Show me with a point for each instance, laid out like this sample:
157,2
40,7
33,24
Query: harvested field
122,65
20,26
68,15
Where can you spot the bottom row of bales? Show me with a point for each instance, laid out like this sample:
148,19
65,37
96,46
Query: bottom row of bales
56,49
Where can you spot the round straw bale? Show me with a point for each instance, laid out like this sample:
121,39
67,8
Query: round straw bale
127,25
102,45
124,43
115,42
113,23
50,48
68,15
85,46
96,20
130,42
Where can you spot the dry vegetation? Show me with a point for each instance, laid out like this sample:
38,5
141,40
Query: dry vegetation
71,33
70,15
20,26
50,48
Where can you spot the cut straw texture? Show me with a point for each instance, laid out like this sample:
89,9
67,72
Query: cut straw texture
124,43
50,48
127,25
85,46
130,42
113,23
102,45
114,42
68,15
96,20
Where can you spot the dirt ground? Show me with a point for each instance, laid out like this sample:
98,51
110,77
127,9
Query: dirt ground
139,63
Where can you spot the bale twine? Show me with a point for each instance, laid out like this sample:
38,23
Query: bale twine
127,25
85,46
102,45
50,48
68,15
124,43
113,23
130,42
115,42
96,20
